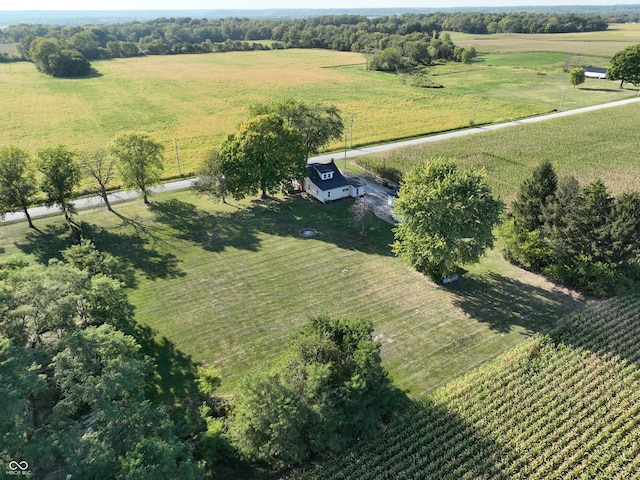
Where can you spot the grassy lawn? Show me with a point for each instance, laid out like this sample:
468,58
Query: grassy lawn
601,144
230,284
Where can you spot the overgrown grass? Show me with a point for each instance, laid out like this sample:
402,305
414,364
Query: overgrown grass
230,284
601,144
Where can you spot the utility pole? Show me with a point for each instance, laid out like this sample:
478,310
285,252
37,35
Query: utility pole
345,151
352,130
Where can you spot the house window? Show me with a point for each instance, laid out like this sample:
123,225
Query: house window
326,176
328,194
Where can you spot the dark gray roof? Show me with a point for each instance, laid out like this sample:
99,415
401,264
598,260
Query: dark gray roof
594,69
338,180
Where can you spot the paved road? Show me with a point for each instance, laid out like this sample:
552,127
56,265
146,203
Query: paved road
95,202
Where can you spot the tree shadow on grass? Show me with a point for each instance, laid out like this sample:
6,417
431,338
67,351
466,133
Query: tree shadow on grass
175,372
134,245
504,302
135,252
47,243
282,217
213,232
332,221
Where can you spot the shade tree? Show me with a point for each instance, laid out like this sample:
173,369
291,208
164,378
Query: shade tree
318,124
139,161
61,174
326,391
98,165
261,156
625,66
446,218
18,186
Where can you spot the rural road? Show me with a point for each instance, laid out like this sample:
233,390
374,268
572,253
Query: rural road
94,202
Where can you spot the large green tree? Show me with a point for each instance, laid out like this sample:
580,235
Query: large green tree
139,161
625,66
326,391
447,217
318,124
18,186
262,156
77,393
53,58
60,176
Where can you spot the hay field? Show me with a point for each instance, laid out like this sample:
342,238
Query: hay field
594,44
198,99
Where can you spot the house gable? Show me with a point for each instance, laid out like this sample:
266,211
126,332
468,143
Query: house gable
326,182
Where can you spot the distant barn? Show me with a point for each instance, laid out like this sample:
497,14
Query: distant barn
595,72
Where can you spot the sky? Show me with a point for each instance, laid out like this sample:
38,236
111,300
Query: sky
271,4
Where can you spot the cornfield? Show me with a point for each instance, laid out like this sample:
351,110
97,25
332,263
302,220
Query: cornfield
557,406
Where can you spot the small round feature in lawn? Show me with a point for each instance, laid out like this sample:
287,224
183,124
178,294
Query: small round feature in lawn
307,232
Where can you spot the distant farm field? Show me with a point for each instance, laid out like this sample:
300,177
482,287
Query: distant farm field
601,144
193,101
595,44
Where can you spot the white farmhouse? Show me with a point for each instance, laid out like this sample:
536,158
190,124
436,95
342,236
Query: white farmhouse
325,182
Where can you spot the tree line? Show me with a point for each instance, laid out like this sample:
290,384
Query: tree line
133,158
393,42
580,236
523,22
57,50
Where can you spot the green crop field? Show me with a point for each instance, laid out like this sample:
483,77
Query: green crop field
193,101
600,144
554,407
231,284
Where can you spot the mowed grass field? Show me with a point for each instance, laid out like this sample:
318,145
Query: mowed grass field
231,284
194,101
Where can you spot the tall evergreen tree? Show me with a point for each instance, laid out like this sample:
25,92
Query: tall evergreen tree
534,194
